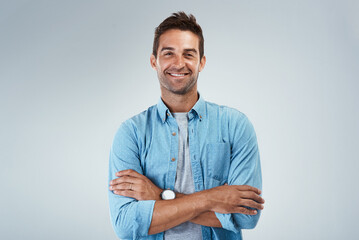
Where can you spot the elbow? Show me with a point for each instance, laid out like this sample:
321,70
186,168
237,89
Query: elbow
125,227
131,220
249,224
123,233
122,230
249,221
235,222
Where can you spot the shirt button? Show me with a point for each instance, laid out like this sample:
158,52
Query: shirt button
168,114
173,134
173,159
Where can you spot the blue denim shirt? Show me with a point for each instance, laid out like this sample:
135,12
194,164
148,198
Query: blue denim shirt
223,149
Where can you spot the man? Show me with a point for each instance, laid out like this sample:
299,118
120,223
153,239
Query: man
185,168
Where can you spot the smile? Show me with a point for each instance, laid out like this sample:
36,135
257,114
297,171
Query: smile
178,74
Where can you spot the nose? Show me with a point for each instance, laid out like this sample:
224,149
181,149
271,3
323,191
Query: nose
179,62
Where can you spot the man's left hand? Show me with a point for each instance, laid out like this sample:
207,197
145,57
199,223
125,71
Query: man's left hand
132,184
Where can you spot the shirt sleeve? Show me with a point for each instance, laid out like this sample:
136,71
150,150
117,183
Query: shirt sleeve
245,169
130,218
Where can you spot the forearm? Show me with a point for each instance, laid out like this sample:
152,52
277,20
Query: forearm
200,207
208,218
170,213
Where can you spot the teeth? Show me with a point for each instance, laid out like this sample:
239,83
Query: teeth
177,75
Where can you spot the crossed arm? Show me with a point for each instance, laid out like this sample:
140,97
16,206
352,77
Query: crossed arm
198,207
135,205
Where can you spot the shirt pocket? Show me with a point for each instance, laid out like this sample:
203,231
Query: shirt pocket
219,158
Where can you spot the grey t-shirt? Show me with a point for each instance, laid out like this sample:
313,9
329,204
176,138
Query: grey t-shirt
184,182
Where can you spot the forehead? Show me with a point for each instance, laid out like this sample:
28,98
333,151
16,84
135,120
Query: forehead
178,39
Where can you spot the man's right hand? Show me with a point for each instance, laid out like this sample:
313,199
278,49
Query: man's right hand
234,199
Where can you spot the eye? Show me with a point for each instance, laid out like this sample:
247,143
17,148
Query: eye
168,54
188,55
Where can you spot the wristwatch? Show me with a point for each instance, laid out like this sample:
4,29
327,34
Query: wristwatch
168,194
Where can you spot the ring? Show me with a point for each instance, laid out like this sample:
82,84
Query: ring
131,186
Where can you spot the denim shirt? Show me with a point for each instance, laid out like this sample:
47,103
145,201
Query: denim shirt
223,149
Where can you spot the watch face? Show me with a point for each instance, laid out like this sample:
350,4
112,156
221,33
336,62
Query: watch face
168,195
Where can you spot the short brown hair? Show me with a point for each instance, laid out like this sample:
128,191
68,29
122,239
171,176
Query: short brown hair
181,21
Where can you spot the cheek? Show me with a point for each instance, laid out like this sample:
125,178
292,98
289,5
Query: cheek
194,67
162,65
193,64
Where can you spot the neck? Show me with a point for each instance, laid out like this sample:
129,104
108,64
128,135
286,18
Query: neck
178,102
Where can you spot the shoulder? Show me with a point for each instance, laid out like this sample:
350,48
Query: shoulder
236,122
137,123
227,113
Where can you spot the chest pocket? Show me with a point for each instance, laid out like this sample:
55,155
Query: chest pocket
219,159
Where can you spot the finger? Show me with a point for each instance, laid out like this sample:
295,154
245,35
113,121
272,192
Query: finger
124,186
252,204
128,179
125,193
252,195
247,211
248,188
129,172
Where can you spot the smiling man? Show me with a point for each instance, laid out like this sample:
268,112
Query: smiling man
178,75
184,168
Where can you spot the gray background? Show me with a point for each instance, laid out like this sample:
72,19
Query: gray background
72,71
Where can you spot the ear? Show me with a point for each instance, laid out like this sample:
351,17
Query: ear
153,61
202,63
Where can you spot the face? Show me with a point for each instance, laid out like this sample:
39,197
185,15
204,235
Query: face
178,61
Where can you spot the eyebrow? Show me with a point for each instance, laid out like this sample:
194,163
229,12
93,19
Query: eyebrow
190,50
167,48
172,49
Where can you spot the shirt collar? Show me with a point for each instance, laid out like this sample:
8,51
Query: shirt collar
198,108
162,110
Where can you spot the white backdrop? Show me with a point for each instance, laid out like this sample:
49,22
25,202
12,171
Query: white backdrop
72,71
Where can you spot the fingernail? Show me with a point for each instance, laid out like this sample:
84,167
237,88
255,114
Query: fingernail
111,188
255,212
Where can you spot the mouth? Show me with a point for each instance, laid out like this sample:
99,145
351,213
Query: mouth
177,74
